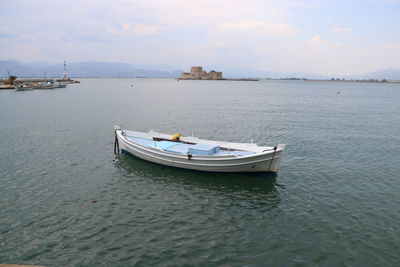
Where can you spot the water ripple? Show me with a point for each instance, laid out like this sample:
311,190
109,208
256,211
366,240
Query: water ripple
66,199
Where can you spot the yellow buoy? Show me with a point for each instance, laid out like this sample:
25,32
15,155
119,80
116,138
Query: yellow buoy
176,137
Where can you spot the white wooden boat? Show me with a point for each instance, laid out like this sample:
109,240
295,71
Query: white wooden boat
61,85
198,154
24,87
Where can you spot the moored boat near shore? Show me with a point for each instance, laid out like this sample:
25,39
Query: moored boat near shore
24,87
57,84
44,86
198,154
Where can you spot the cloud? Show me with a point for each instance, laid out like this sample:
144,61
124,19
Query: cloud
134,30
141,29
177,14
259,27
316,40
248,34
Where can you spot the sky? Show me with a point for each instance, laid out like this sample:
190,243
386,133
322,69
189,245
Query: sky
326,37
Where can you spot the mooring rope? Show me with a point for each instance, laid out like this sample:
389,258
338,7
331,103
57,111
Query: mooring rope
272,159
116,144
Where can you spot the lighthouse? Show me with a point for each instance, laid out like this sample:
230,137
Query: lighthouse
65,75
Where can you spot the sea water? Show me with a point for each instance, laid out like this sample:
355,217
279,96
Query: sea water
66,199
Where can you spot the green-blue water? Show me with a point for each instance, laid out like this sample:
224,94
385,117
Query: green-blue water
66,199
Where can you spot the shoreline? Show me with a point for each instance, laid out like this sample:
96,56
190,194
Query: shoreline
351,81
227,79
343,81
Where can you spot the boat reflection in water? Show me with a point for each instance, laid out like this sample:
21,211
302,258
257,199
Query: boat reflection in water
258,190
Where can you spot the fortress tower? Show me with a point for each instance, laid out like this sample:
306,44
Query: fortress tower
197,73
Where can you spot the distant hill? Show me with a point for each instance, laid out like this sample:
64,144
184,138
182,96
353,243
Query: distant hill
114,69
19,69
243,72
387,74
237,72
81,69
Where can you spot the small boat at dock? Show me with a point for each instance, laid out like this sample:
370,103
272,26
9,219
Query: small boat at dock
57,84
61,85
193,153
43,85
24,87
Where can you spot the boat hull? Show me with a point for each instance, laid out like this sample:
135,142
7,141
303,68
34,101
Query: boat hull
268,161
43,87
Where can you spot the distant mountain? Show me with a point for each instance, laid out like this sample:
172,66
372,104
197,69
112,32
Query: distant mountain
19,69
241,72
387,74
81,69
105,69
115,69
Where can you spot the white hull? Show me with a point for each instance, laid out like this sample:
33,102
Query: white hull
43,87
264,159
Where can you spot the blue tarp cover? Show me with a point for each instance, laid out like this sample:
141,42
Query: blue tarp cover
179,148
142,141
198,149
163,144
203,149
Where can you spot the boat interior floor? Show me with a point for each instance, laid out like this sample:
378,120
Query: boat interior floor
184,148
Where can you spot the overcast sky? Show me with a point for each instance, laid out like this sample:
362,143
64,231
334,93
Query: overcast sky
331,37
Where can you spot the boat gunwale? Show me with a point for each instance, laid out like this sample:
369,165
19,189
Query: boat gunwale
199,157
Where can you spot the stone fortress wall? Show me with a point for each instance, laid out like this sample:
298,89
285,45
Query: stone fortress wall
197,73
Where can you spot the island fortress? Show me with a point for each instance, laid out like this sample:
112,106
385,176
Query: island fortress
197,73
